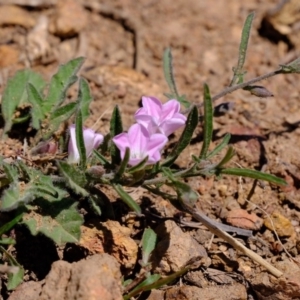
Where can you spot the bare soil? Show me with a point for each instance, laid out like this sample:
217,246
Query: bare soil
123,42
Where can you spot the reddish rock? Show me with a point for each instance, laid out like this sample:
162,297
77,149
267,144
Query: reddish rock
241,218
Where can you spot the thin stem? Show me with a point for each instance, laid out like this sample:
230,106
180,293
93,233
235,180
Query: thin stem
230,240
231,89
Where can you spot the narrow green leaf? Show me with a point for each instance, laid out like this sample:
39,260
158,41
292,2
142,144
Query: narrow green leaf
59,221
127,199
208,122
84,98
15,94
149,281
148,244
75,178
139,167
95,205
168,72
220,146
36,100
186,136
124,164
60,83
80,140
228,156
116,128
9,225
238,71
253,174
101,158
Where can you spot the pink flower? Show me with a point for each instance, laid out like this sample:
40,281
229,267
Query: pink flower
158,117
141,144
91,139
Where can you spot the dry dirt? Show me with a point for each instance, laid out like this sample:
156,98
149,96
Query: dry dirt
123,42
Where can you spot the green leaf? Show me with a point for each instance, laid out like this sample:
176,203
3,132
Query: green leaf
12,198
186,136
84,98
15,94
75,177
95,205
292,67
39,185
228,156
124,164
253,174
169,76
143,286
59,221
168,72
220,147
238,71
9,225
80,140
60,83
101,158
58,117
36,100
208,122
16,276
11,172
139,167
116,128
148,244
127,199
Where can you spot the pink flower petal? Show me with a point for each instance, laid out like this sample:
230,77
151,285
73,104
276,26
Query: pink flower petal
171,125
152,106
121,141
170,108
91,141
147,122
156,143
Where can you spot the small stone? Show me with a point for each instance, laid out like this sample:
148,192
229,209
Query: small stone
14,15
70,18
8,56
241,218
281,224
112,238
175,248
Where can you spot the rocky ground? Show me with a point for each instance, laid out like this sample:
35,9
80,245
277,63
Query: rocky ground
123,42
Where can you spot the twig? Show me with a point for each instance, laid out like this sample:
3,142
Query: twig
230,240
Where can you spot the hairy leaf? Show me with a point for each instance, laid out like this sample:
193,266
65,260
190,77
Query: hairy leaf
60,83
116,128
75,177
84,98
208,122
148,244
59,221
127,198
253,174
15,94
80,140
